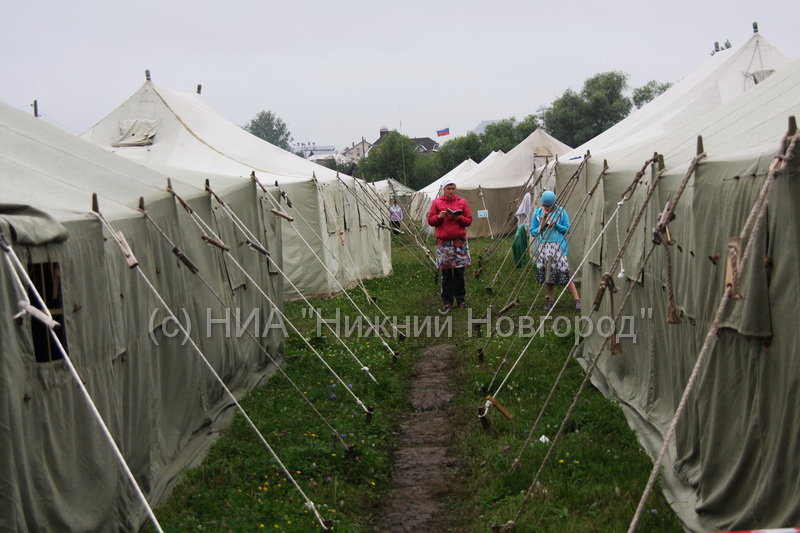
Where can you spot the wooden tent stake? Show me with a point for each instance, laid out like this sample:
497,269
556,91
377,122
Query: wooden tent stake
500,407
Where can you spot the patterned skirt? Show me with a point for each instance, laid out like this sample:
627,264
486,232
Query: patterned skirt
452,254
550,253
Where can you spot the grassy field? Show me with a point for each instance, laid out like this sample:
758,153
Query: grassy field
592,481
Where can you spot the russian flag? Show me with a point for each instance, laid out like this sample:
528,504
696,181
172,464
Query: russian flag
442,133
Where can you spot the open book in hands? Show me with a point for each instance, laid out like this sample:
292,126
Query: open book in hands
456,213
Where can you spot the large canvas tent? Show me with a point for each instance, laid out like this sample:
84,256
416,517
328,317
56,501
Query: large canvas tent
335,238
721,79
724,77
733,464
498,187
156,396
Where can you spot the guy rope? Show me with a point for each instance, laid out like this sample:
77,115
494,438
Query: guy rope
206,230
133,263
194,270
275,203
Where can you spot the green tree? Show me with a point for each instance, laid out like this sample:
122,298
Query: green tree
648,91
269,126
498,136
395,157
426,170
574,118
456,151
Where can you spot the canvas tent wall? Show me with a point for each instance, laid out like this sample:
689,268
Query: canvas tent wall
733,463
181,131
499,187
156,396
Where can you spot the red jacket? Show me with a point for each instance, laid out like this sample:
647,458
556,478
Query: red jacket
449,228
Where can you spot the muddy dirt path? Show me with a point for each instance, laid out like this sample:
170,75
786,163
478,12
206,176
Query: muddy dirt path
423,467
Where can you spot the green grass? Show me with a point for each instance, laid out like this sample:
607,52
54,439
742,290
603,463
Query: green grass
592,483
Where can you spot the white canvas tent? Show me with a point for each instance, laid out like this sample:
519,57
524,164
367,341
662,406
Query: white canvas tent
719,80
157,398
178,130
724,77
499,187
732,464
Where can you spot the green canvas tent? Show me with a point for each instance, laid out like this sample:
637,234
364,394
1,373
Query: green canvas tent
156,396
733,463
338,235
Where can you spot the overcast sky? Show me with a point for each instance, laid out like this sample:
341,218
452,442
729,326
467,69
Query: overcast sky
337,71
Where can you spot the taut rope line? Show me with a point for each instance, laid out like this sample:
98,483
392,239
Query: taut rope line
252,238
130,259
205,282
344,291
205,229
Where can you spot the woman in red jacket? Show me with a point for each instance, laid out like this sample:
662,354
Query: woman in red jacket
450,215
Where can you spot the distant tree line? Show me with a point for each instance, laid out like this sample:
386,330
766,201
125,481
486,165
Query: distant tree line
573,118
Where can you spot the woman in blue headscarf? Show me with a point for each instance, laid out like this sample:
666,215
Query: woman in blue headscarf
549,225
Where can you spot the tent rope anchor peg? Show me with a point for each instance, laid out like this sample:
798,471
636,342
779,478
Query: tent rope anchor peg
119,238
514,303
480,355
508,526
257,247
672,309
500,407
282,215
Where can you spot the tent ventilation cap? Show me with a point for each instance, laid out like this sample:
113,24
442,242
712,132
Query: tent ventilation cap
147,74
755,27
